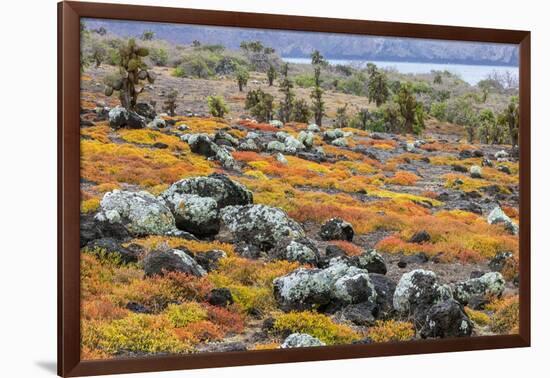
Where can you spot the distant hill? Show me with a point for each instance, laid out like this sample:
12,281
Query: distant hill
332,46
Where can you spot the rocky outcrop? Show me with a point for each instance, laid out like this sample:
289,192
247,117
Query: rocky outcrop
336,229
140,213
447,319
301,340
202,144
417,291
259,225
489,285
196,202
328,289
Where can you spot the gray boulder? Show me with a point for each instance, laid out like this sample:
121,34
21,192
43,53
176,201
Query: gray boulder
301,340
121,117
195,202
293,145
475,171
306,137
336,229
145,110
140,213
489,285
302,250
329,288
417,291
260,225
340,142
497,216
313,128
202,144
500,261
276,146
275,122
249,145
175,260
369,260
447,319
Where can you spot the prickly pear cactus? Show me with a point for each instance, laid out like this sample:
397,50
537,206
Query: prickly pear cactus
132,71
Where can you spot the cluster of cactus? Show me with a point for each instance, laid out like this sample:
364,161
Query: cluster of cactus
132,70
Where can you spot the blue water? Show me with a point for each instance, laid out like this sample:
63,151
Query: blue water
472,74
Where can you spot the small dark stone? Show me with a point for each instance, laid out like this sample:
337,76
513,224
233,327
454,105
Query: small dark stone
420,237
158,262
137,308
447,319
478,153
112,246
209,259
402,264
220,297
361,314
465,154
336,229
459,168
268,324
417,258
504,169
160,145
477,302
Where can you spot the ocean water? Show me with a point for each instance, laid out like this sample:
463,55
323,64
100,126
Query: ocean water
472,74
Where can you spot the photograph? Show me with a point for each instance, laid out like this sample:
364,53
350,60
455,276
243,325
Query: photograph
246,189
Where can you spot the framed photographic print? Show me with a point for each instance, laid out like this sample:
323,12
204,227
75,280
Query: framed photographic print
239,188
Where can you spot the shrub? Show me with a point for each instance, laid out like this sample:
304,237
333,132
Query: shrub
316,325
201,331
506,317
439,110
134,333
158,56
101,309
385,331
300,111
242,78
260,105
89,205
228,321
403,178
478,317
183,314
179,71
217,106
348,247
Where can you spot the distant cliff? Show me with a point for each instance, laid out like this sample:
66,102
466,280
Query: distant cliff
333,46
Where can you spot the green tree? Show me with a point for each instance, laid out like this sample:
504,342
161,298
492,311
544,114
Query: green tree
487,122
147,35
438,79
217,106
318,105
317,59
510,118
199,67
361,119
98,53
159,57
260,105
285,105
341,116
242,78
377,88
439,110
253,46
132,70
300,111
271,74
196,43
411,111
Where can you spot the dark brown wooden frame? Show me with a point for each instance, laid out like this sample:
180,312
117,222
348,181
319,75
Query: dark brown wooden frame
69,13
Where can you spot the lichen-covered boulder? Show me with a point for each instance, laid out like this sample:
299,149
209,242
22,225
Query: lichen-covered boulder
114,247
209,260
275,122
224,136
306,137
121,117
302,250
140,213
340,142
248,145
489,285
175,260
301,340
145,110
447,319
196,201
329,288
501,261
281,158
293,145
202,144
313,128
330,135
369,260
336,229
497,216
260,225
157,123
276,146
417,291
475,171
